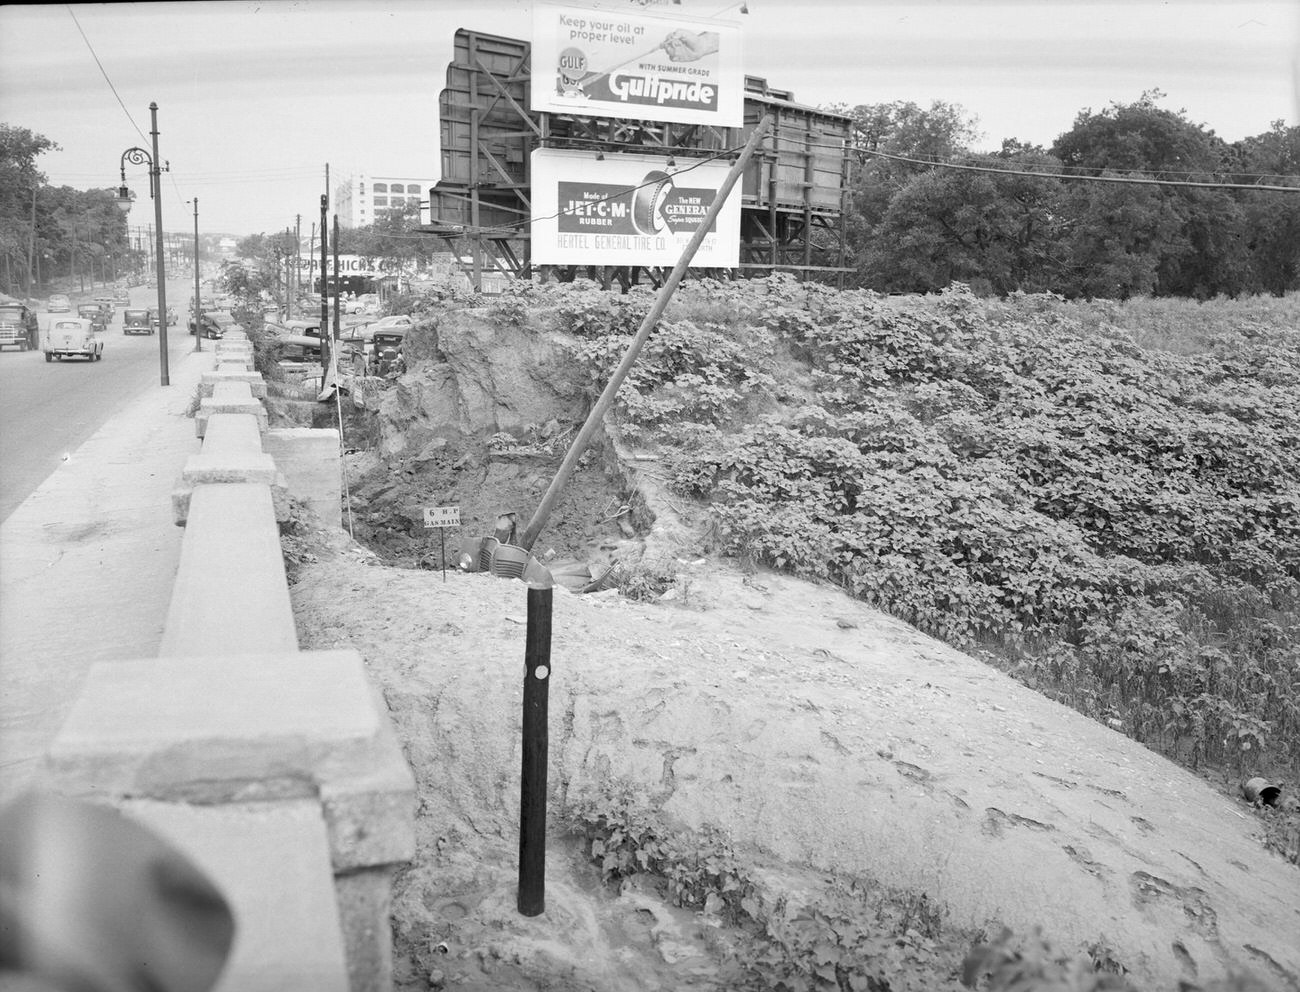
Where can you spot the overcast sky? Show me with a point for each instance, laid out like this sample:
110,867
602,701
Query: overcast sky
255,97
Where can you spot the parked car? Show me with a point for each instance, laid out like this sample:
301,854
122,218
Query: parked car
93,313
216,324
59,304
18,326
301,329
69,336
386,350
138,321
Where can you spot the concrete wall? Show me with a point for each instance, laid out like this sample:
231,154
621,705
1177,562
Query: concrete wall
275,769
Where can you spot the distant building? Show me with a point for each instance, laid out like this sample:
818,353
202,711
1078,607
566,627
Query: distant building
360,199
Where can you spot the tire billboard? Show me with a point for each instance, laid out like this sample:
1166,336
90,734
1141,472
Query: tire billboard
629,210
655,67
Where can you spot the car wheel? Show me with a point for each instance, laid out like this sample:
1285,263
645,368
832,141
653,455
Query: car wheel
49,357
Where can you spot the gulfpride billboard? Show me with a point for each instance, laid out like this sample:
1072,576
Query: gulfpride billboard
656,67
628,210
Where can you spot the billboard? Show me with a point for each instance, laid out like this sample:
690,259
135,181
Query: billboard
619,63
629,210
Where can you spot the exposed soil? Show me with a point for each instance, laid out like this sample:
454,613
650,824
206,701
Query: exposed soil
825,739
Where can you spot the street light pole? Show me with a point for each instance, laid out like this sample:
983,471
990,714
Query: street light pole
138,156
198,336
158,224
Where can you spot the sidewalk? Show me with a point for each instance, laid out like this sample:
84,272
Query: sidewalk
87,564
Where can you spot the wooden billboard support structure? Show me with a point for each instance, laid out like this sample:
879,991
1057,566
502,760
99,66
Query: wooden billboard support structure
793,194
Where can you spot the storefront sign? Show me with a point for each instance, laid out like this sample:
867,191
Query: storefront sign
629,210
646,66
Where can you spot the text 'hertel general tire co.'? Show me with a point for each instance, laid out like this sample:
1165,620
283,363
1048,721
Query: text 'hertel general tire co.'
656,67
629,210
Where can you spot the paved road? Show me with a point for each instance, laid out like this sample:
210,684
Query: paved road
49,409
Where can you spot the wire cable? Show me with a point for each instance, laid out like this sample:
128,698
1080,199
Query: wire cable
1140,181
105,73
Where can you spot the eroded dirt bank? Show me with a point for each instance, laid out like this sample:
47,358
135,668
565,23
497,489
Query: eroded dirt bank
824,737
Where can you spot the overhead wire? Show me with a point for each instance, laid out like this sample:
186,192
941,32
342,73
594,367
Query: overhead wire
1134,180
104,72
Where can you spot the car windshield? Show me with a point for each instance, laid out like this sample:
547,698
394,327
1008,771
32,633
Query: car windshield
68,325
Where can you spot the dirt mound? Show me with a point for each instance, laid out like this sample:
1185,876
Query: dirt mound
821,736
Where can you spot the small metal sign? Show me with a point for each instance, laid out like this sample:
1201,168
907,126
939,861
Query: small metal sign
442,516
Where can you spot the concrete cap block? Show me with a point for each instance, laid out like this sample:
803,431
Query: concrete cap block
281,503
223,401
256,384
267,725
271,861
229,432
371,815
230,466
230,595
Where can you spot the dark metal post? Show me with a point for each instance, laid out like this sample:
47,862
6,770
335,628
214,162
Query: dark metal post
334,338
198,338
324,261
156,175
532,779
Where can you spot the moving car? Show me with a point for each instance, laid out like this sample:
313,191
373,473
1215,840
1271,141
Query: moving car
59,304
121,297
69,336
93,313
137,321
215,324
109,305
18,326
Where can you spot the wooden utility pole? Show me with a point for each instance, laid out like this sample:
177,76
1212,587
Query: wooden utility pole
606,400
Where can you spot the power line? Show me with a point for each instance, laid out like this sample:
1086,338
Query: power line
1132,180
105,73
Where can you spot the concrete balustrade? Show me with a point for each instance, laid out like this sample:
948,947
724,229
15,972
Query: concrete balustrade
229,397
256,384
232,452
277,770
231,596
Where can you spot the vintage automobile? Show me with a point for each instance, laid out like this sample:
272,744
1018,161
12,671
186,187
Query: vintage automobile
153,316
18,326
386,350
139,321
69,336
121,297
108,304
215,324
293,335
59,303
94,313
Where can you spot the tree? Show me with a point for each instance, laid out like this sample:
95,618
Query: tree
1140,137
20,182
995,232
900,129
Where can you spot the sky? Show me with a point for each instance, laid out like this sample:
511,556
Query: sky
256,96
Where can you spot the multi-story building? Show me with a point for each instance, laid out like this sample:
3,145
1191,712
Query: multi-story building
360,199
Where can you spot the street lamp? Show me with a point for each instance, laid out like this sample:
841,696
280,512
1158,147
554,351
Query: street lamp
198,324
138,156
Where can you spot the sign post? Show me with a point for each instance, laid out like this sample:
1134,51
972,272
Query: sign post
442,517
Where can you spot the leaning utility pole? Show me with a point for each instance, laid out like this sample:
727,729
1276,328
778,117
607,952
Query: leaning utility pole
606,399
